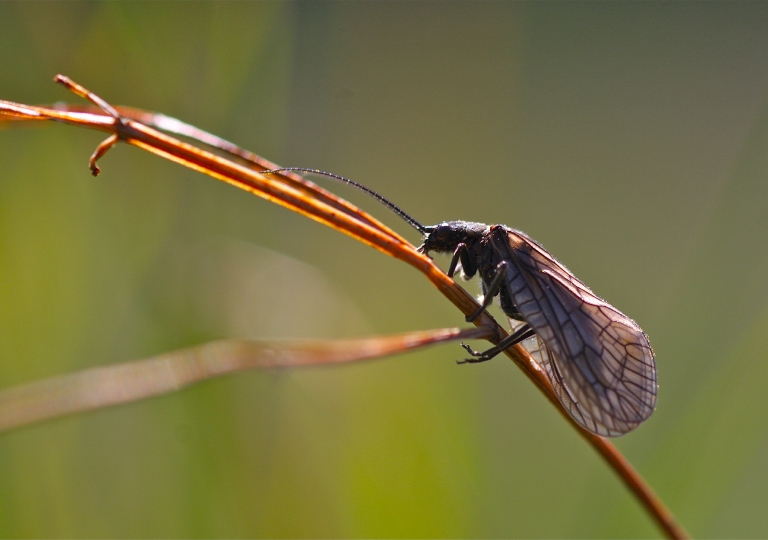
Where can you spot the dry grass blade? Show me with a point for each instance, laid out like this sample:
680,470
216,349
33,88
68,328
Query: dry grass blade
307,199
102,387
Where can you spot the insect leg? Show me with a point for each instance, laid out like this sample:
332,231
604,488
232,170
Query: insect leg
457,254
521,334
491,290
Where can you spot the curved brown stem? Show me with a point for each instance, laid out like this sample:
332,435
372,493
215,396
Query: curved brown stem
117,384
308,199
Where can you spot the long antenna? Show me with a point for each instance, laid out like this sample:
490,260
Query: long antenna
389,204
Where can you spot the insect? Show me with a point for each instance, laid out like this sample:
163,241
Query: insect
599,361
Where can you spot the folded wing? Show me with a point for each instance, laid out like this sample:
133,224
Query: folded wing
599,361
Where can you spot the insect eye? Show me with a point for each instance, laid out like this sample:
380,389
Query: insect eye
441,234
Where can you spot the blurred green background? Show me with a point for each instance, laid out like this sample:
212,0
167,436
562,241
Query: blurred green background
631,139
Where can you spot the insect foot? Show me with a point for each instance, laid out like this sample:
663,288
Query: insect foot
477,356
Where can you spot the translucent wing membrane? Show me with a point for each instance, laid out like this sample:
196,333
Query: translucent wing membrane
599,361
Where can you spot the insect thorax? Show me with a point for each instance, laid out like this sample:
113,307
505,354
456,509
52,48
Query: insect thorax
446,236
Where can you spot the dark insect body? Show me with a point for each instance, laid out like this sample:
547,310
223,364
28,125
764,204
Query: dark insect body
599,361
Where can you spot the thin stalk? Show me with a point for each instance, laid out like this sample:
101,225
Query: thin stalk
116,384
324,207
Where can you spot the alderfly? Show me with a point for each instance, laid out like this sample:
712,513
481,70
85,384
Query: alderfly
598,360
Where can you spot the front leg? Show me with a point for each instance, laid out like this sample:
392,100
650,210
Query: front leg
492,289
468,264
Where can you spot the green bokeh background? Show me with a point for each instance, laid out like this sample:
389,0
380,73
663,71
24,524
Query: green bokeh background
631,139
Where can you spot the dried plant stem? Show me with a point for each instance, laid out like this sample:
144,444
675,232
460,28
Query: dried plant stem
320,205
101,387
